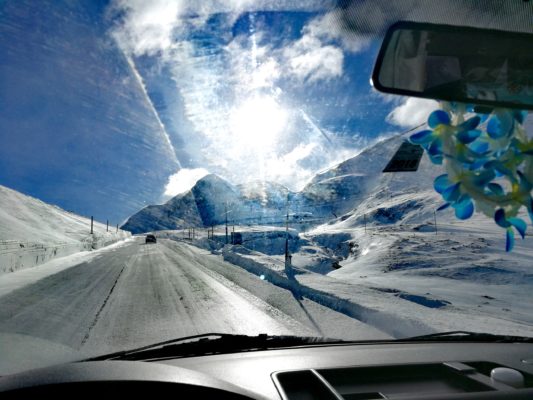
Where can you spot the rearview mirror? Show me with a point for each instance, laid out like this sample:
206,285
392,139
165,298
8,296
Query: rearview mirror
467,65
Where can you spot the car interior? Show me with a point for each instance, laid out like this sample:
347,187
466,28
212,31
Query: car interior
457,365
418,370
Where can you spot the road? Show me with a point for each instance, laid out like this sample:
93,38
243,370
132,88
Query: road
139,294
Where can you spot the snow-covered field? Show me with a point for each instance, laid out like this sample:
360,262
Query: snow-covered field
403,280
380,257
33,232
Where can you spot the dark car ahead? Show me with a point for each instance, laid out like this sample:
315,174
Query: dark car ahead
150,239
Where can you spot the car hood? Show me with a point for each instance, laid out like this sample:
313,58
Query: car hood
24,352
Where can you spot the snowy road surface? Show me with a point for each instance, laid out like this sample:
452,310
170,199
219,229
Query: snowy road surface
137,294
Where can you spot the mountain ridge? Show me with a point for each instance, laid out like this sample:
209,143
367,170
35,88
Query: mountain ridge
329,195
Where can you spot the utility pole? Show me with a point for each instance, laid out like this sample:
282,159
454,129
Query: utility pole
287,255
107,226
117,228
92,219
226,211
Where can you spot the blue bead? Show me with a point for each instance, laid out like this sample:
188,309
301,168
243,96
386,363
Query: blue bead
494,128
422,137
437,118
499,218
452,193
470,123
435,148
441,183
464,208
519,224
509,243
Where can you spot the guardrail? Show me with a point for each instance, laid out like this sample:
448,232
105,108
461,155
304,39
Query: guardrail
15,254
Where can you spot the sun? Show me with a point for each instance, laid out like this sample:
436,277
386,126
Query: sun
257,123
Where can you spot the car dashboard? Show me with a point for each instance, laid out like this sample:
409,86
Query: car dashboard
346,371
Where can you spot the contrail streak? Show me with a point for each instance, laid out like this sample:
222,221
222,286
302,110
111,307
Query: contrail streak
151,105
314,127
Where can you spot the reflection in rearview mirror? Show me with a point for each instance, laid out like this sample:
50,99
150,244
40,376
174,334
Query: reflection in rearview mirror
467,65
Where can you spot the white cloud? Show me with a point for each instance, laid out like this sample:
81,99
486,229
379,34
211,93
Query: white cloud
147,26
278,166
319,53
330,27
183,180
412,112
309,60
226,93
252,66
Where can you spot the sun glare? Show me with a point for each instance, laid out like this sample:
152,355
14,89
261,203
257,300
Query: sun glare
257,123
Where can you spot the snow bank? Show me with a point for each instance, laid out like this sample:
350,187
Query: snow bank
390,323
33,232
200,239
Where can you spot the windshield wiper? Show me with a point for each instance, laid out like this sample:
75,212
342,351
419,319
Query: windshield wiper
466,336
222,343
213,343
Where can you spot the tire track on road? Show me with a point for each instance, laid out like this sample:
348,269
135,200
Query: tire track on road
93,324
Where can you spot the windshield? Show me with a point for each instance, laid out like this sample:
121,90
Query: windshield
173,168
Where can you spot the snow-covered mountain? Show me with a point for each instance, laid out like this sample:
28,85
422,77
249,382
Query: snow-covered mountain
332,194
350,184
208,203
178,212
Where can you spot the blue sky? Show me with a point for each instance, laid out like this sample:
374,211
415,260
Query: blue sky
108,106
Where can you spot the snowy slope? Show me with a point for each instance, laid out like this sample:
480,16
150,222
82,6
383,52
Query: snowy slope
178,212
32,232
352,183
457,276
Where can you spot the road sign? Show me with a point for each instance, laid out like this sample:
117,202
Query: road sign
406,158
